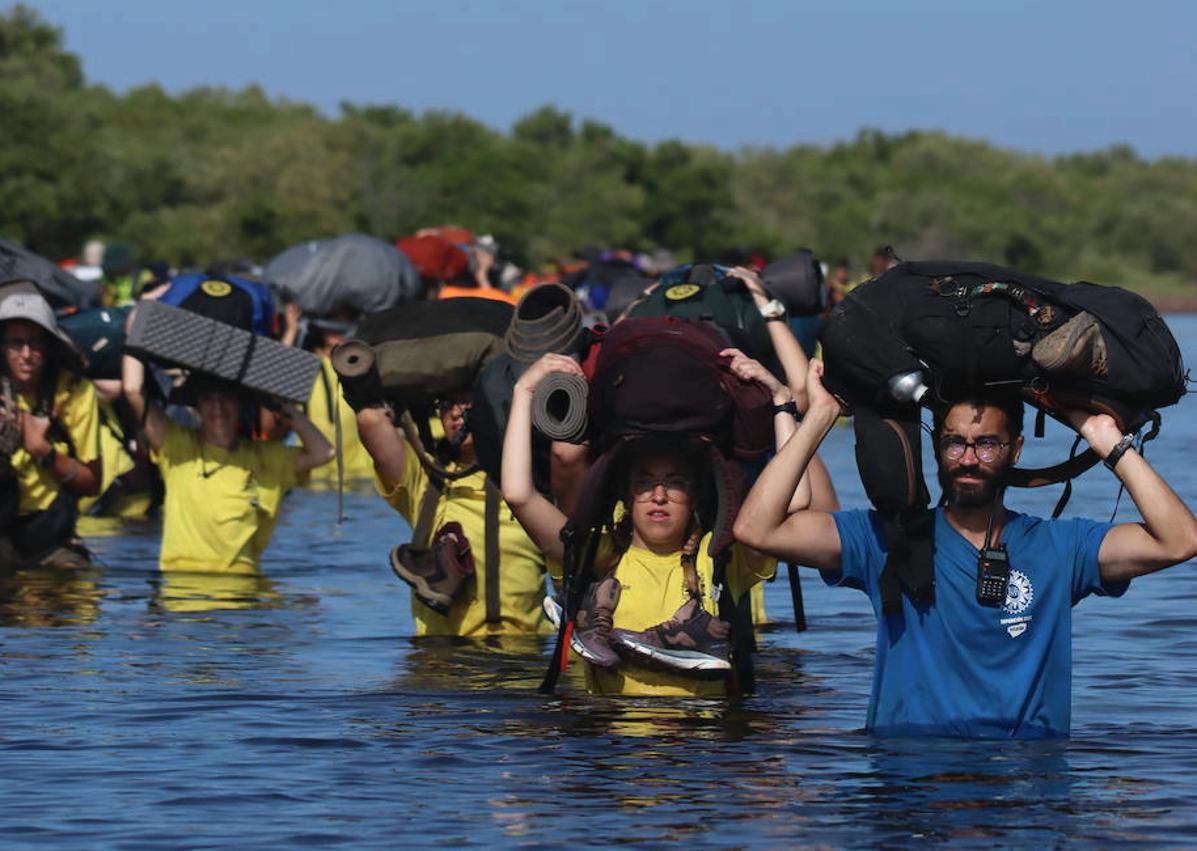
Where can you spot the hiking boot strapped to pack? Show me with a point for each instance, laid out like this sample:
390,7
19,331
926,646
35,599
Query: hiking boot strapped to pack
692,641
438,573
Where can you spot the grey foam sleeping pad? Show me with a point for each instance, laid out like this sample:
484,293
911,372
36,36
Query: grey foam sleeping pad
359,272
61,288
178,337
559,407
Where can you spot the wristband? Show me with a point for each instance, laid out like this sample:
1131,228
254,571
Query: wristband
790,407
47,461
1127,442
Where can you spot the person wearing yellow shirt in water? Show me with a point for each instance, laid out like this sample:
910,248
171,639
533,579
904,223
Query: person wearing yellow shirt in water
464,581
325,408
222,491
50,430
652,592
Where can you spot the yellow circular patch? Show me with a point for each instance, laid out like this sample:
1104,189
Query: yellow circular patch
681,292
216,289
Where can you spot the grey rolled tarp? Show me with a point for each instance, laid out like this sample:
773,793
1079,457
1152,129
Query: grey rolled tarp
354,271
547,319
559,407
60,287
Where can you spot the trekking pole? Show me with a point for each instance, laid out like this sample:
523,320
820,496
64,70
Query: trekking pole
796,599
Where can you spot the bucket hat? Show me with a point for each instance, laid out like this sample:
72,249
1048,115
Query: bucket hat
21,299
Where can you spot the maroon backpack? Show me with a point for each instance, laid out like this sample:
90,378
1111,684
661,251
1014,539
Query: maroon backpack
664,375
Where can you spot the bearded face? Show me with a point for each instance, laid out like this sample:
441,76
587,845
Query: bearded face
976,452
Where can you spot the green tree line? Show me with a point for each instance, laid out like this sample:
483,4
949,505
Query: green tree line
214,173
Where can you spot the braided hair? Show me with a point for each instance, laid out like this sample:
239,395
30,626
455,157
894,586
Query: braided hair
621,529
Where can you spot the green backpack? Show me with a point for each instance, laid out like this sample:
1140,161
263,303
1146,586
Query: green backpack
704,292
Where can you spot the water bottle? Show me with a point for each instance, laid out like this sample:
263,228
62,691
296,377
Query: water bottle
907,386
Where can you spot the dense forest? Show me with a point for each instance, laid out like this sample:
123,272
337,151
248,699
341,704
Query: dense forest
212,173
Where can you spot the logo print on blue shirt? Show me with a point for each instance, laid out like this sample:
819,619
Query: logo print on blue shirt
1019,593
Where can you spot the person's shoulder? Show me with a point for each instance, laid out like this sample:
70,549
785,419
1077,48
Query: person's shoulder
1057,529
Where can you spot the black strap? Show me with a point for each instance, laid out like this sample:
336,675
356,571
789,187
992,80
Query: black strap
738,615
493,503
569,563
249,355
796,598
909,558
1067,494
1040,422
328,394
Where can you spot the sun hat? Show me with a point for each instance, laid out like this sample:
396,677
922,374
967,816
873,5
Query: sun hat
21,299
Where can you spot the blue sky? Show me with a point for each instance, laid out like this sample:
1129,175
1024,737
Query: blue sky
1039,76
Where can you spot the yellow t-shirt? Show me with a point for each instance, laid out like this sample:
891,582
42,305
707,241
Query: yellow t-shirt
74,409
521,581
651,590
114,455
220,506
322,407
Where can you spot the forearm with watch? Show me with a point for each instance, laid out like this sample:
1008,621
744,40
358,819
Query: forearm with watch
785,345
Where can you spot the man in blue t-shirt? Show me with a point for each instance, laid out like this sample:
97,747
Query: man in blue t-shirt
954,666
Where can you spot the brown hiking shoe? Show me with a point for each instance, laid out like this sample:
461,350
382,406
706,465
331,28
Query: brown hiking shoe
592,626
1076,347
437,573
691,641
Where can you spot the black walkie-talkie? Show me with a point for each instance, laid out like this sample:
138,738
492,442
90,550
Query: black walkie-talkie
993,566
993,575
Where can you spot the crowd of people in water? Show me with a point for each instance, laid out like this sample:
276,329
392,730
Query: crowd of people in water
489,557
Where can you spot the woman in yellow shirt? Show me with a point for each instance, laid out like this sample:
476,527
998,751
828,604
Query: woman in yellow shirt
49,421
222,491
649,624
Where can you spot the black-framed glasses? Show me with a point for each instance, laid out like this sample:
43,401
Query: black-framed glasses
987,449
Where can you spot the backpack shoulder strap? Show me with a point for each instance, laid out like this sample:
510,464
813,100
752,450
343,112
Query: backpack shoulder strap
493,504
738,614
421,533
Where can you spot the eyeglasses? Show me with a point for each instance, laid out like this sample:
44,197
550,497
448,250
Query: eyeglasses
448,405
987,449
677,488
16,344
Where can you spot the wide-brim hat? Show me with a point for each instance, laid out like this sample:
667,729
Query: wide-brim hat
21,299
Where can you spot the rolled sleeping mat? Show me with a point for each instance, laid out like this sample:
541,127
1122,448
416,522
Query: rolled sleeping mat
559,407
357,367
178,337
797,281
547,319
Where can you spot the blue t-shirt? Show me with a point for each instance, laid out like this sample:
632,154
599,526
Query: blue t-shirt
957,668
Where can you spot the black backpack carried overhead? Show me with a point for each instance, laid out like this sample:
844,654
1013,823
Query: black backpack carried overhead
974,325
935,331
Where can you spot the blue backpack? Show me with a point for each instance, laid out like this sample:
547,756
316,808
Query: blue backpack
241,302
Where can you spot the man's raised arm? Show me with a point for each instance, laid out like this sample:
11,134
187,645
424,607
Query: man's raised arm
1168,533
805,537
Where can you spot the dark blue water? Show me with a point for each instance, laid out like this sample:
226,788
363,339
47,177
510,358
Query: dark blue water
297,710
